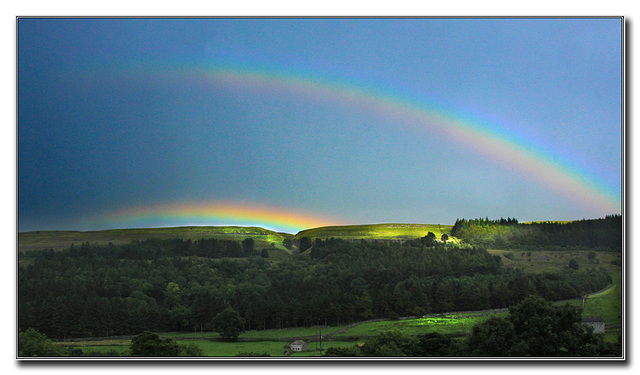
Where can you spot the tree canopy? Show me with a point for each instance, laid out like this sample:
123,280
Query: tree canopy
176,285
229,323
537,328
149,344
601,234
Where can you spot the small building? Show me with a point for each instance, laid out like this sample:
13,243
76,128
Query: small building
596,323
298,346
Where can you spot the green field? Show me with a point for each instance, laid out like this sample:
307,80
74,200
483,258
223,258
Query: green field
289,332
230,349
275,334
376,231
452,324
274,348
325,345
273,341
607,304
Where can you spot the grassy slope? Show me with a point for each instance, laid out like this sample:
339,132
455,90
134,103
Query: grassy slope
376,231
606,305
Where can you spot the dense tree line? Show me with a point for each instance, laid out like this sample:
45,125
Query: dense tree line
602,234
176,285
157,248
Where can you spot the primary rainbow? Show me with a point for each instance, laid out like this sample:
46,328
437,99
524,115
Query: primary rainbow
516,154
415,114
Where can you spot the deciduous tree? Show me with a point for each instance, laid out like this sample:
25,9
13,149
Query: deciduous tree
32,343
229,323
149,344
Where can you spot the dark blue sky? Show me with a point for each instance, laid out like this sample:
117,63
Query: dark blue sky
116,115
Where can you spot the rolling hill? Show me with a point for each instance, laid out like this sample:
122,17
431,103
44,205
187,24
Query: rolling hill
264,238
391,231
63,239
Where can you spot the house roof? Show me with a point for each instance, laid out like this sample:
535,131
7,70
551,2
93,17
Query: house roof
298,342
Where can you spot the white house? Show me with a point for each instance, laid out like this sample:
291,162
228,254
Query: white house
298,346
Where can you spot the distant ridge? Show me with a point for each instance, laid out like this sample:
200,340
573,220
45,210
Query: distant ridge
36,240
58,240
386,231
62,239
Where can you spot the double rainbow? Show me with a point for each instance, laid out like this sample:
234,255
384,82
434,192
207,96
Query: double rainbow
540,168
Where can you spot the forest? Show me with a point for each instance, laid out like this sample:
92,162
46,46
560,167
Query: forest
595,234
182,285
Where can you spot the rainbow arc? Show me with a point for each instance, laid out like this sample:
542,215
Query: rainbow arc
416,115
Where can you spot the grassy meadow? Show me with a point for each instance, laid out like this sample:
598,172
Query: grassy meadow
450,324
